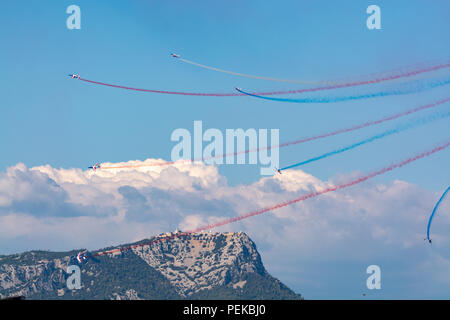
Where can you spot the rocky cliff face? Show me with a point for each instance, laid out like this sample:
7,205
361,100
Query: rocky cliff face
203,261
31,272
195,266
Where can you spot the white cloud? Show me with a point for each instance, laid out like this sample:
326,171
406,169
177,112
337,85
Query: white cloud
62,209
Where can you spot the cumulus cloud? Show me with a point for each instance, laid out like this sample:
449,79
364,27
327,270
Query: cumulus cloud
61,209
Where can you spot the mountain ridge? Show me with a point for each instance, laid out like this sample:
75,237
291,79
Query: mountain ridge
167,266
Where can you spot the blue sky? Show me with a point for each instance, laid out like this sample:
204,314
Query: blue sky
48,118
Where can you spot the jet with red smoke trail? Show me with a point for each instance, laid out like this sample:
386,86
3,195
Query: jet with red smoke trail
95,166
355,83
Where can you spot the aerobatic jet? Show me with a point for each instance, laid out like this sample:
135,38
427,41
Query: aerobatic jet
81,256
74,76
175,55
95,166
277,170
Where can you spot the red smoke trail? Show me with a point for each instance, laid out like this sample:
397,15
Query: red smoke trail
360,126
145,165
357,83
286,203
163,91
303,140
321,88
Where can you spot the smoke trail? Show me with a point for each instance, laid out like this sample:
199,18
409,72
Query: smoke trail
398,129
162,91
394,92
337,86
368,124
284,204
245,75
434,211
359,83
294,142
165,163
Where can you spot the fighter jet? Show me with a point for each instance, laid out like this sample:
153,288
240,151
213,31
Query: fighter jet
81,257
95,166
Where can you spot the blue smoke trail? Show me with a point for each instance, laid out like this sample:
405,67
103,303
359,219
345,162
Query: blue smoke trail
434,210
430,118
417,87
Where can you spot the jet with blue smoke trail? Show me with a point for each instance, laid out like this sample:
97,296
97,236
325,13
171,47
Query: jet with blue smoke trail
398,129
405,88
434,211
